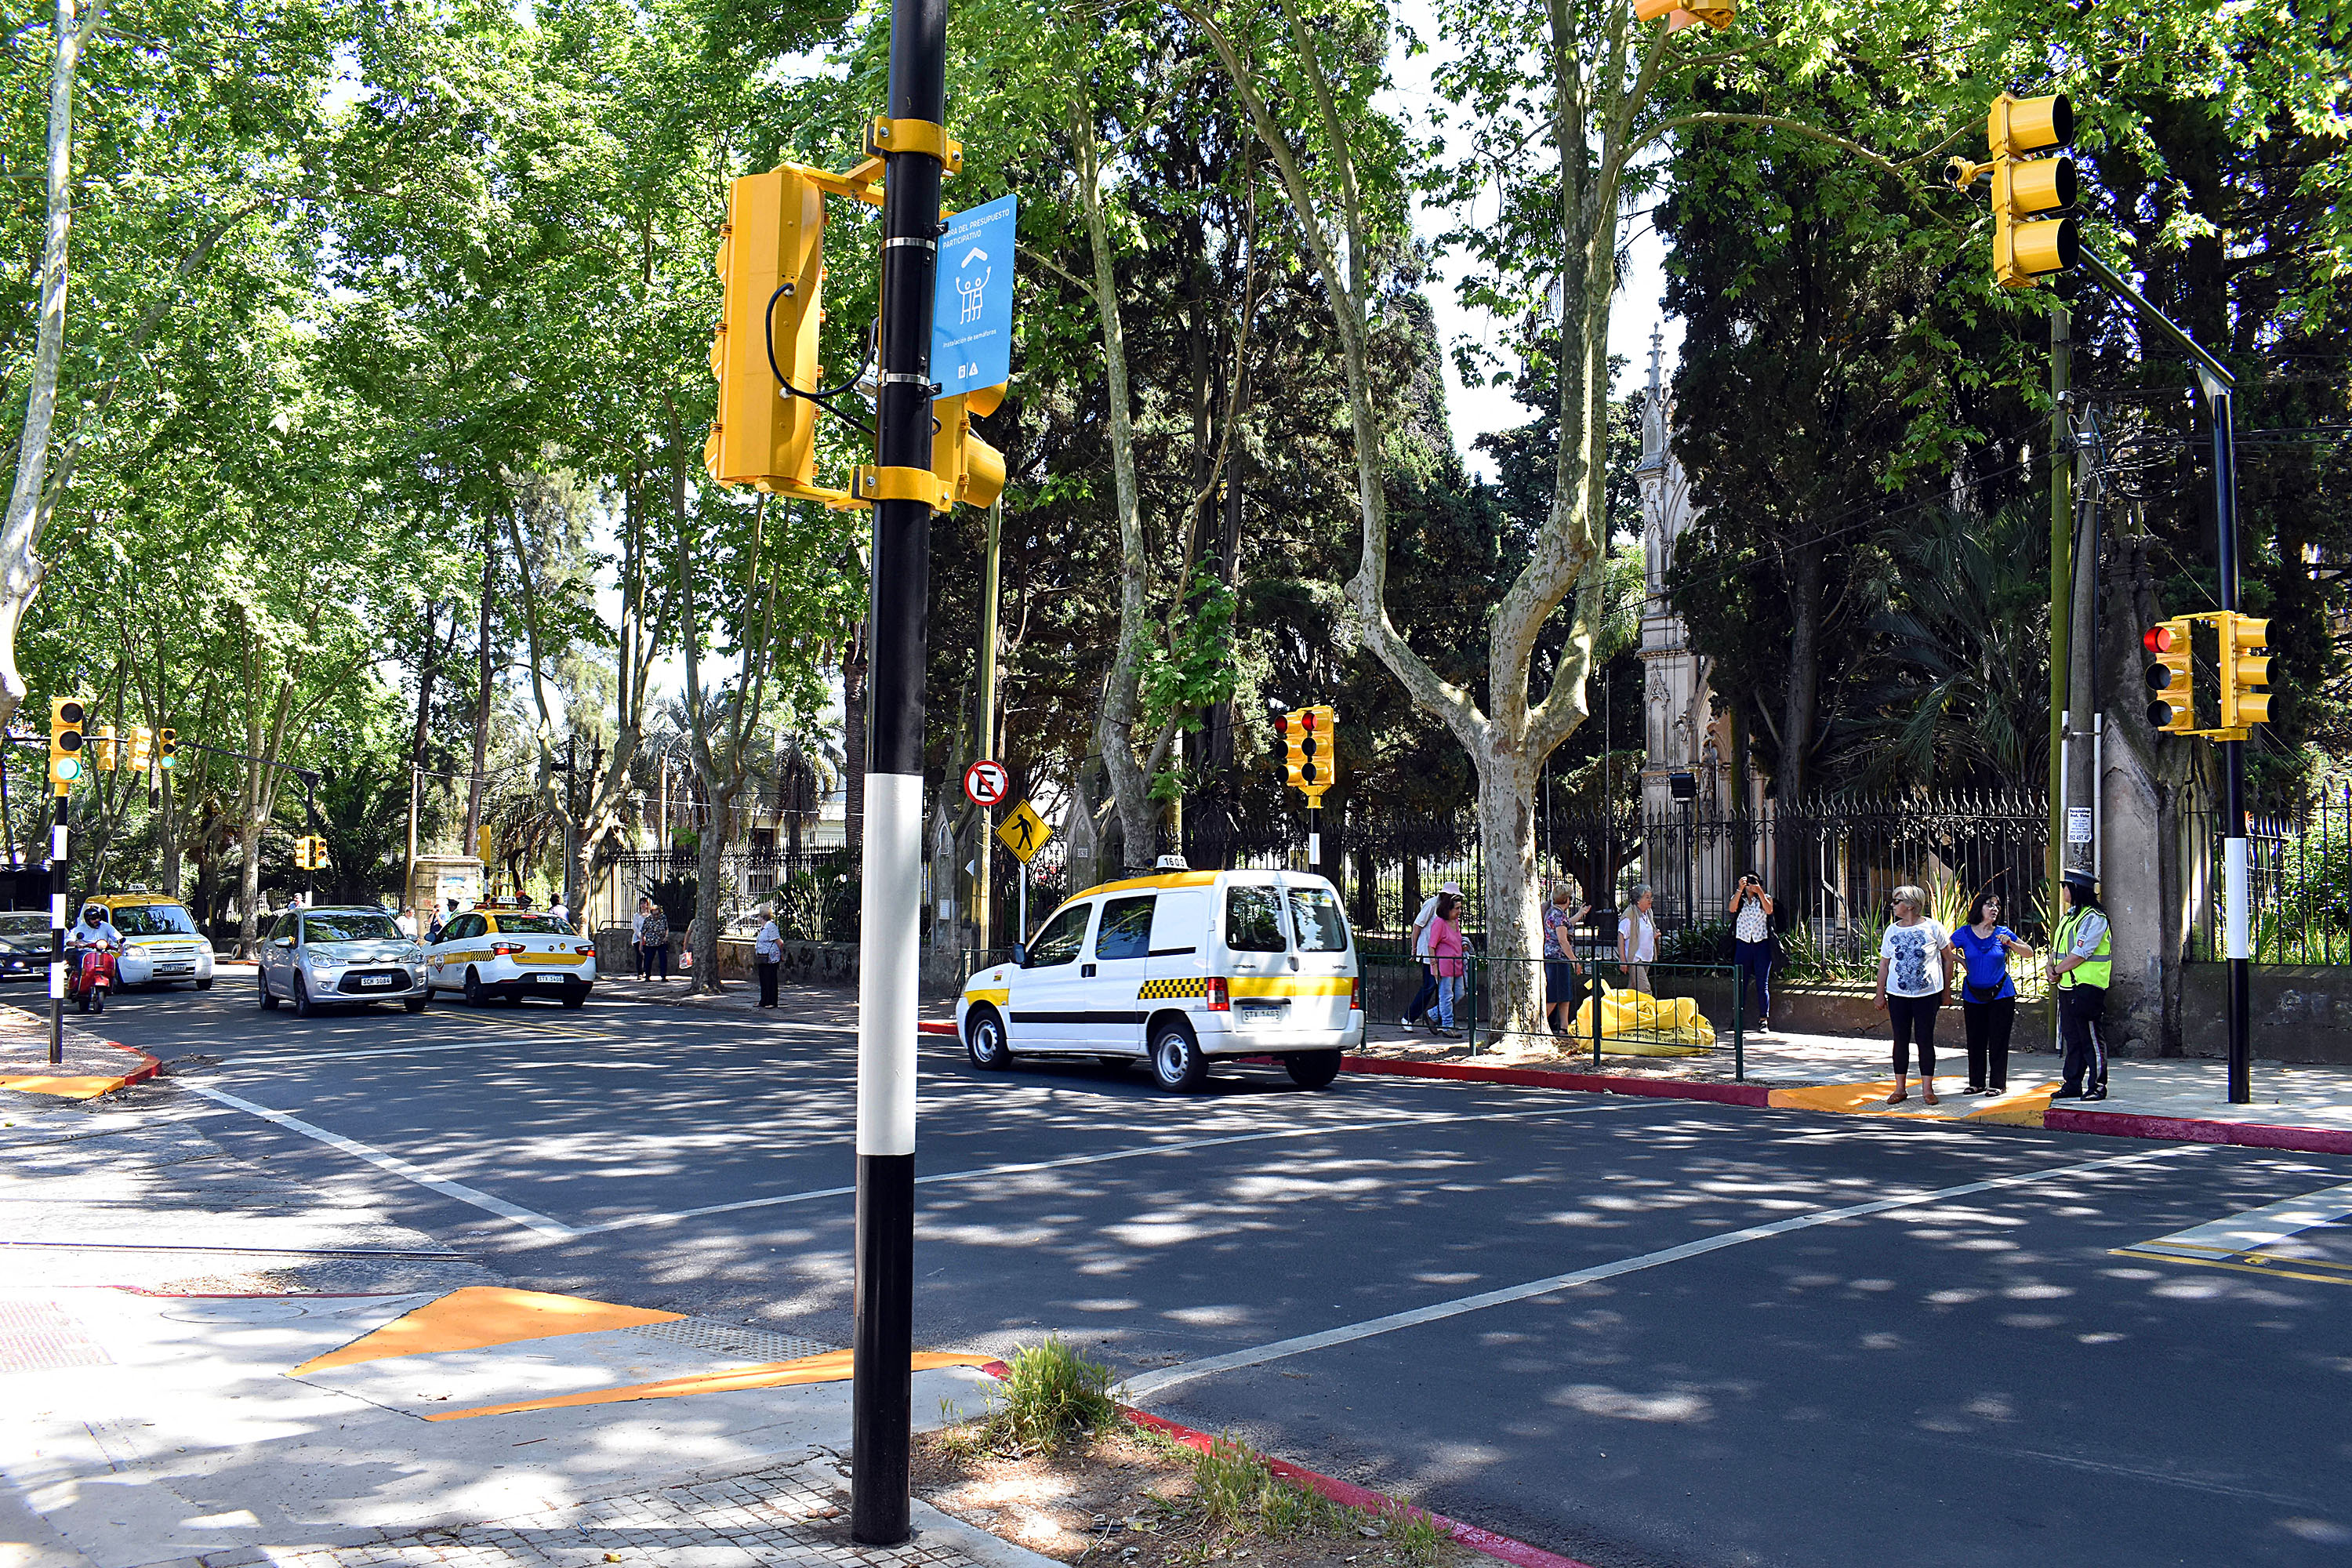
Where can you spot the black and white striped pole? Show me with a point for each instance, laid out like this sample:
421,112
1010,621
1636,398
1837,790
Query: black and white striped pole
881,1393
57,832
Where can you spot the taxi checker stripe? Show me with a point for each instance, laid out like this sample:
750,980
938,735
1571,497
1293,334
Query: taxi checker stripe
1161,990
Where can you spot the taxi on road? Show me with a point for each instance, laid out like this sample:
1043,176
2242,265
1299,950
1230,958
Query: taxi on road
1178,968
161,944
512,953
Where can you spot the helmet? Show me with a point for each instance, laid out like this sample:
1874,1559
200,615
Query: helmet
94,913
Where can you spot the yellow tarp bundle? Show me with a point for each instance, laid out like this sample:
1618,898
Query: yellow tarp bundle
1634,1023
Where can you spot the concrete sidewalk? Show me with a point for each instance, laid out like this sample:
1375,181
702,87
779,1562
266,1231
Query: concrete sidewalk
93,1065
205,1365
1842,1073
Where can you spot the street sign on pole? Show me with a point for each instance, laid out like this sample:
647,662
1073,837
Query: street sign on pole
986,783
1023,832
972,305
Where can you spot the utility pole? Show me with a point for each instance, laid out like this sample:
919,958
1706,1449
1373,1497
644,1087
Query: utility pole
984,897
882,1335
2061,579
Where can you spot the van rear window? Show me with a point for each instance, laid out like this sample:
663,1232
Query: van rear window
1254,920
1315,915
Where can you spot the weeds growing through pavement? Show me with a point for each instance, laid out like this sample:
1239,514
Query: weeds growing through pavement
1236,1489
1050,1395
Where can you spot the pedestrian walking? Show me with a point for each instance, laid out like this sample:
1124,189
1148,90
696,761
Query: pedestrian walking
1637,941
1561,968
560,909
1753,948
1988,994
1911,984
2082,962
652,940
1422,998
1445,961
768,949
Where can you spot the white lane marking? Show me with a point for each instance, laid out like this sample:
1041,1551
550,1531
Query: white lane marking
2257,1228
1028,1167
263,1063
533,1220
1159,1381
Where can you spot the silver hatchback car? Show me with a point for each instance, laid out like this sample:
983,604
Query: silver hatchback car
322,957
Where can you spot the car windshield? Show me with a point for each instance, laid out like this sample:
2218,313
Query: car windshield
359,925
533,925
153,920
13,927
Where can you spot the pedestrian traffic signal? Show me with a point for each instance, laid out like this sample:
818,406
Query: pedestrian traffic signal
2172,710
1312,763
2025,244
2245,664
968,468
167,749
770,267
66,717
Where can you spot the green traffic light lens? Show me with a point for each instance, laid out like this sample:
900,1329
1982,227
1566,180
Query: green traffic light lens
70,768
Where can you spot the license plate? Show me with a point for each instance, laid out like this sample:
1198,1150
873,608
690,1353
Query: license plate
173,968
1265,1014
554,979
383,979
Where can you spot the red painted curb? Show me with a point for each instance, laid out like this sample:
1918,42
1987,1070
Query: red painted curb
1349,1495
926,1026
1749,1094
2186,1129
138,1075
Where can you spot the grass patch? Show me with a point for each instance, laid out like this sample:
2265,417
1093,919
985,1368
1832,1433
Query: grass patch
1050,1395
1236,1493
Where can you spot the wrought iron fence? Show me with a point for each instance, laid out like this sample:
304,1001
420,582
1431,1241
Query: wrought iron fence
2299,883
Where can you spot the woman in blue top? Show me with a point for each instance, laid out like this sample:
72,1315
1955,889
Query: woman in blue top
1987,995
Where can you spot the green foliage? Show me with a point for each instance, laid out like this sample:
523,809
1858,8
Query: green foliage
1234,1488
1050,1394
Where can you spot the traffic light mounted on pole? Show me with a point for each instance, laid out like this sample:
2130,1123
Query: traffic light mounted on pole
67,763
1312,763
2169,677
771,265
2245,664
167,749
2027,245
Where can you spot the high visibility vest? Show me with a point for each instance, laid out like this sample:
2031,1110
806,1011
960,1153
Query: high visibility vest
2094,970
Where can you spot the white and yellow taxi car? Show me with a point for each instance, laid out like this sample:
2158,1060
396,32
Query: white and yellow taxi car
161,944
1178,969
512,953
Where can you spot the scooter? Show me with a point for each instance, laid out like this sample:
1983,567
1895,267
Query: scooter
91,975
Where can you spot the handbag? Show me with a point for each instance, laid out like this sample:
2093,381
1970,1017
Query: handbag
1970,989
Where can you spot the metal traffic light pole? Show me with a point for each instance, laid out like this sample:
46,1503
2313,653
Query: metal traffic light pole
882,1337
2219,385
57,844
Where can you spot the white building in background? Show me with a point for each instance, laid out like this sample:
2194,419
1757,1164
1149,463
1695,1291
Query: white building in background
1676,698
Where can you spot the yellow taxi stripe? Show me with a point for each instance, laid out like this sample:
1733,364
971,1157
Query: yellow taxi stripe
1001,995
1293,985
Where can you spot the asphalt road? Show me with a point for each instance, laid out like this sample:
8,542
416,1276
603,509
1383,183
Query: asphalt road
1737,1370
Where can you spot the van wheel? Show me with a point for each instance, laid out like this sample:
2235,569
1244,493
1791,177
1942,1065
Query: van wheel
983,1040
1312,1069
1176,1059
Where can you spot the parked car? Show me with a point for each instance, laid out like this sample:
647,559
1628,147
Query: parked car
24,945
1178,969
354,957
161,943
511,954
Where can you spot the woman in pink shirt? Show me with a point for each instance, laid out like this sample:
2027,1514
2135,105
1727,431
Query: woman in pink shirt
1446,960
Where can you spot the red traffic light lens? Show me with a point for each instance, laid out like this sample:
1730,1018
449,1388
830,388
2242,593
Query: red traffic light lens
2156,639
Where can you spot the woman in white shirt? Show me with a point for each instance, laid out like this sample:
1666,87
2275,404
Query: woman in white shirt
767,948
1911,959
1637,941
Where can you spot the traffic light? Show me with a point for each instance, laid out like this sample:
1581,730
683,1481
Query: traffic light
167,749
2024,245
771,263
2173,710
104,750
310,852
968,469
1312,762
484,842
2245,664
65,763
143,748
1681,13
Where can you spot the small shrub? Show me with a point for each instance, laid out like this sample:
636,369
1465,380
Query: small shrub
1053,1394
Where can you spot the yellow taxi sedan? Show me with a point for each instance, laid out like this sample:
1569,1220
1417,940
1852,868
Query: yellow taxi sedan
512,955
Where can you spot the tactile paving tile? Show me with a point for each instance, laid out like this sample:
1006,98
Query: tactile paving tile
41,1336
730,1342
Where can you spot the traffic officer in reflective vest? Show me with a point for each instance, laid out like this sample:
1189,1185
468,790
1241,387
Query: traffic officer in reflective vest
2082,959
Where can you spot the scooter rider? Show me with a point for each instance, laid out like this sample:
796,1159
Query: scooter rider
94,934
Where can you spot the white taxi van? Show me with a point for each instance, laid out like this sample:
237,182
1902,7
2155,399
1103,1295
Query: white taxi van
1178,969
161,943
512,954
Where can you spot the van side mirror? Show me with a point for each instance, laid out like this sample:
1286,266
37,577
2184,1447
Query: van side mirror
1020,955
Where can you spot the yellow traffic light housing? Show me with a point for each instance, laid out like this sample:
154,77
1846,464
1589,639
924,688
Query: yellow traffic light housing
167,749
1311,765
771,263
968,468
2025,245
66,717
2245,664
2173,710
141,742
105,750
1681,13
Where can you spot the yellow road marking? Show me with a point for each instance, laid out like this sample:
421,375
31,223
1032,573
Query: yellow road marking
2253,1263
2017,1106
479,1316
833,1366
